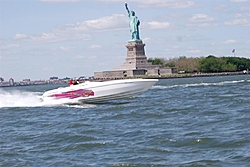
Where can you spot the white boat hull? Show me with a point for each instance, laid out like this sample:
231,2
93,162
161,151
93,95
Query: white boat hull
89,92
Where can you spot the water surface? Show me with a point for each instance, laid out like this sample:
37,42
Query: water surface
178,122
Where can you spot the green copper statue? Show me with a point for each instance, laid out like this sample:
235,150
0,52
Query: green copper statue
133,24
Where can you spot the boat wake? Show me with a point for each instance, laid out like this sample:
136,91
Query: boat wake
198,84
34,99
19,99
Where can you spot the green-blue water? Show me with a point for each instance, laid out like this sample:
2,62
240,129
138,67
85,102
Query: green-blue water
178,122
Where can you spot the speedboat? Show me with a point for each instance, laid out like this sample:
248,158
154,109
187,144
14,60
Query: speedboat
89,92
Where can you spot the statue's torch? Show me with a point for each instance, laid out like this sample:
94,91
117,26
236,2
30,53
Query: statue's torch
126,6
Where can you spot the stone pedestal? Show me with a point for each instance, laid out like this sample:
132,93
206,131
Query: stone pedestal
136,64
136,58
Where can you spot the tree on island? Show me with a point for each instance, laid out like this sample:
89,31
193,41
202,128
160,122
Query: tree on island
209,64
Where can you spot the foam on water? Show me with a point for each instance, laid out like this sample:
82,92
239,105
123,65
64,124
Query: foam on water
199,84
34,99
19,99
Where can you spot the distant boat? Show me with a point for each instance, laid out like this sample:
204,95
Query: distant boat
89,92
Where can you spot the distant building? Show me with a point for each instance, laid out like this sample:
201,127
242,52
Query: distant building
11,81
3,84
53,78
1,79
82,78
26,80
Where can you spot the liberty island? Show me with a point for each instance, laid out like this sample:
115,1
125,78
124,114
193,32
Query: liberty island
136,63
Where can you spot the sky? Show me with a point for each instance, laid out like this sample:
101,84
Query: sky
72,38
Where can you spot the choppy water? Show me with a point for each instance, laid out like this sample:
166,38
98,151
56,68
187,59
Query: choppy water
179,122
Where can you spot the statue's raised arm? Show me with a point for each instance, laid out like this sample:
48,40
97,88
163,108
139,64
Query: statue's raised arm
133,24
126,6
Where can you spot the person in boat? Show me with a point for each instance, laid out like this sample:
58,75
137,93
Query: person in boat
70,82
75,82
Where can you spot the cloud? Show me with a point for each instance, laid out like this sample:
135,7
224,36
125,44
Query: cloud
240,0
80,57
177,4
86,57
78,31
221,7
20,36
57,36
58,1
201,20
245,8
146,39
9,46
239,21
95,46
66,48
113,22
156,25
194,51
175,47
230,41
92,57
48,69
241,18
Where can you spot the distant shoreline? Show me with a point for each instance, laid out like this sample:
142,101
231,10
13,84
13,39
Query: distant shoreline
170,76
185,75
188,75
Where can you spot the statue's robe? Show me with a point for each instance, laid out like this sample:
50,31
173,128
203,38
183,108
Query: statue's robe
134,23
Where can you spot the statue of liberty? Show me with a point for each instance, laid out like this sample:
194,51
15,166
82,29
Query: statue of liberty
133,24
